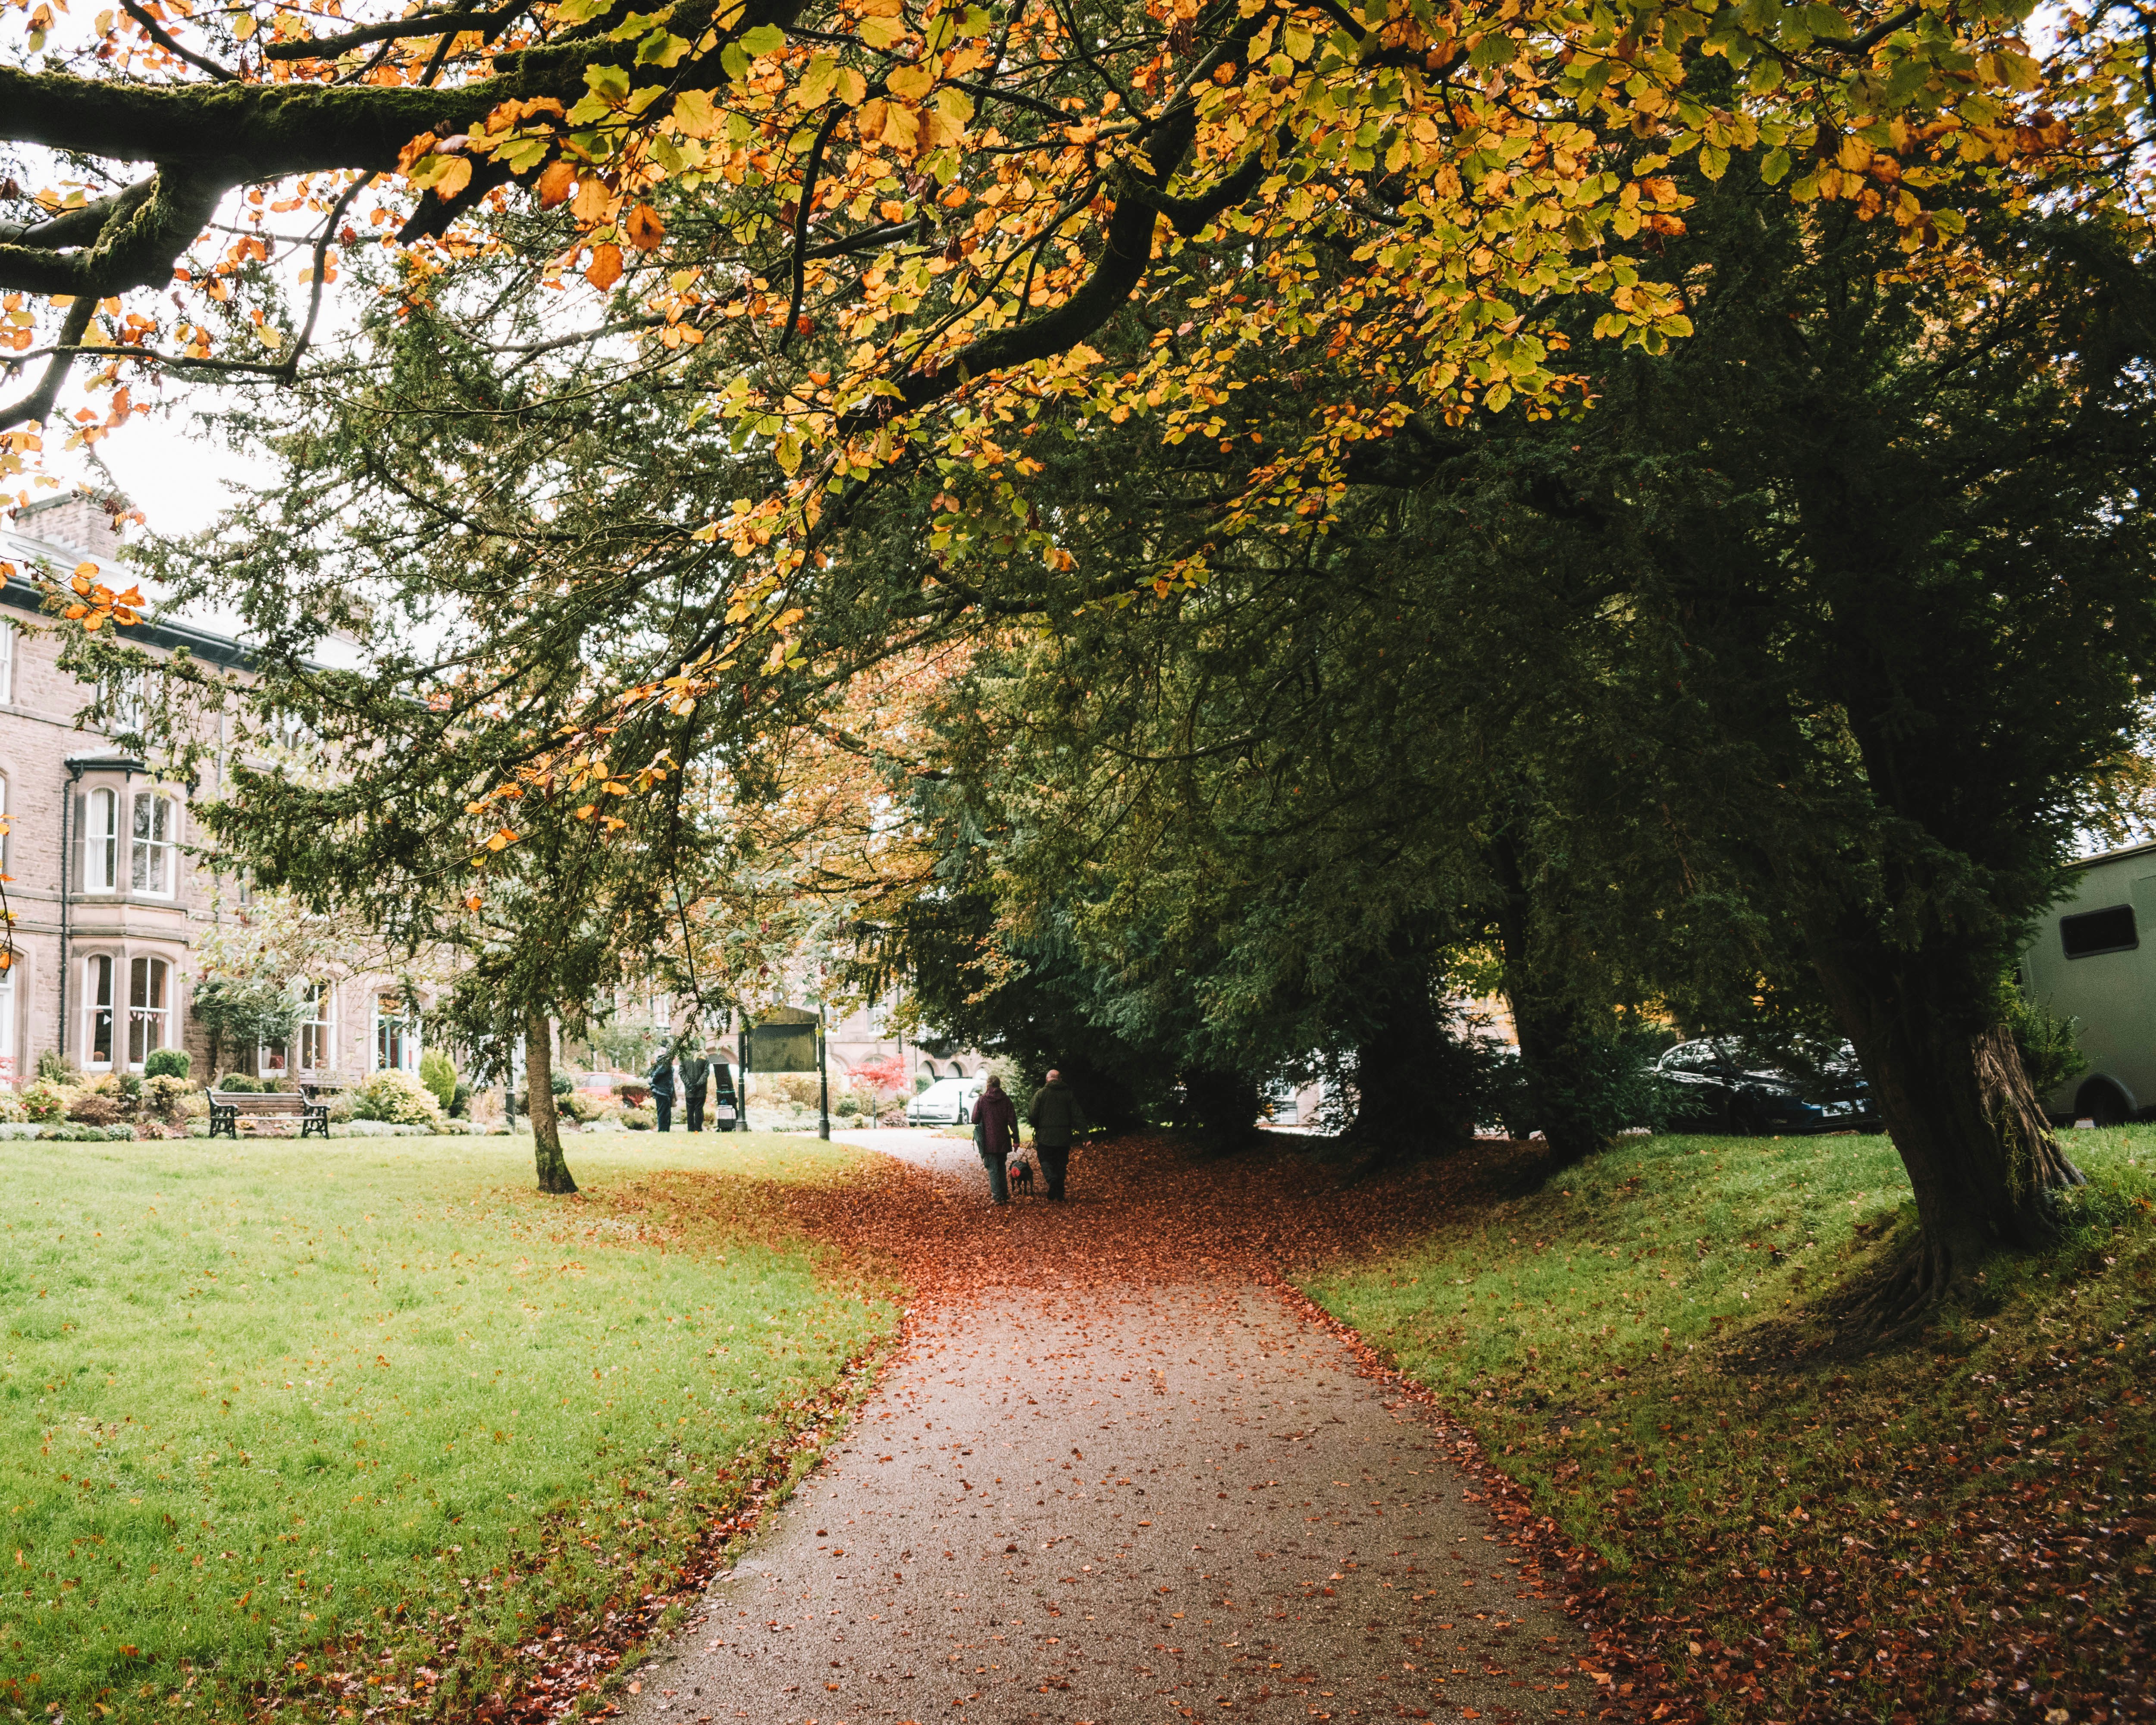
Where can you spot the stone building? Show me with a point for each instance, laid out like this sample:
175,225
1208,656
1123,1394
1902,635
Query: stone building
110,889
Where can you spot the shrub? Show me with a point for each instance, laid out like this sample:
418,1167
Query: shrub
11,1105
241,1082
581,1108
639,1120
167,1063
166,1096
797,1089
45,1100
55,1068
460,1100
440,1076
95,1108
396,1098
631,1093
2049,1042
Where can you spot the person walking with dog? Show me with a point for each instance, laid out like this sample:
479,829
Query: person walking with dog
995,1135
696,1078
662,1089
1056,1119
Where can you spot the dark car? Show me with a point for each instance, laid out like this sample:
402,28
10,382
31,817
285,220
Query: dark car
1720,1085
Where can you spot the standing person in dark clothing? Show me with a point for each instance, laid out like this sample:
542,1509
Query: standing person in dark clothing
1056,1119
695,1080
995,1135
662,1089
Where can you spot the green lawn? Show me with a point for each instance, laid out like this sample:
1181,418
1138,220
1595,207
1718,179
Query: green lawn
345,1407
1821,1528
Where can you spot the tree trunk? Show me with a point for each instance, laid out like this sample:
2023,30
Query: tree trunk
1557,1059
1224,1105
539,1100
1982,1161
1407,1093
1557,1063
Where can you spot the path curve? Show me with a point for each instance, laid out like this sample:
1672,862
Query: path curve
1073,1499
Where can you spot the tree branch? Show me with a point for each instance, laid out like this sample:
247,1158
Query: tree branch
1876,34
429,24
38,402
145,228
802,210
157,33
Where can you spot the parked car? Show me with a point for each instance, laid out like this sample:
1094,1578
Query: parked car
948,1101
1722,1086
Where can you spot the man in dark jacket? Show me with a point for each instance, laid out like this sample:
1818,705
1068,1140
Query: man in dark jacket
662,1089
1056,1119
696,1082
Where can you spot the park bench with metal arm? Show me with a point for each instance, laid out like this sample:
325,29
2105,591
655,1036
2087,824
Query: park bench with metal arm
229,1108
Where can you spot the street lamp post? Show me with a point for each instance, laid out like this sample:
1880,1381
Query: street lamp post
822,1075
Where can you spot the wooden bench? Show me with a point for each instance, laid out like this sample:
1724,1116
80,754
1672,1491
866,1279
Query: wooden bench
228,1107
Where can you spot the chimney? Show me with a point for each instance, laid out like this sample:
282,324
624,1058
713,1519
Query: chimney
86,523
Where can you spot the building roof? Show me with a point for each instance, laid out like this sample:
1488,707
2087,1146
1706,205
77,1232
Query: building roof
2146,848
21,592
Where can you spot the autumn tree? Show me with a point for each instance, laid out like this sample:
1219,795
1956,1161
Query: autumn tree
878,232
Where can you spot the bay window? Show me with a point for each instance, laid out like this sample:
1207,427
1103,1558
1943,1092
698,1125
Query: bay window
156,860
100,841
149,1008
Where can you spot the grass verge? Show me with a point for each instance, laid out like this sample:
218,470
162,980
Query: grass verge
347,1423
1961,1526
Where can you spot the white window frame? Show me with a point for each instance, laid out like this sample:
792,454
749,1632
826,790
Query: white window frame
313,1034
164,852
8,632
318,1032
403,1038
149,1018
100,973
119,704
100,850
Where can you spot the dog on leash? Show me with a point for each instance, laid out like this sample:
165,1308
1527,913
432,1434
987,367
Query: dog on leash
1021,1176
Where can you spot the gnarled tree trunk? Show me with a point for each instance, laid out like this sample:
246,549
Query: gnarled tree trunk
1955,1098
1407,1068
1224,1105
1553,1033
539,1098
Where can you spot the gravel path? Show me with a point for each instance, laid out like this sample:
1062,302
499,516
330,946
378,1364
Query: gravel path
1117,1504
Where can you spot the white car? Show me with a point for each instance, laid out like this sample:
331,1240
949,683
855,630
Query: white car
948,1101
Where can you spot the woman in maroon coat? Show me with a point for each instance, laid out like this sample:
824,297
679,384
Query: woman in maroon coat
995,1135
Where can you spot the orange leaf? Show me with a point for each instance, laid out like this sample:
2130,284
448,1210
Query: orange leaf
644,228
557,180
605,267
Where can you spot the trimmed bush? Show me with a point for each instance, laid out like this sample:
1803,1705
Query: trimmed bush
241,1083
440,1076
95,1108
639,1120
397,1099
165,1096
47,1102
167,1063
